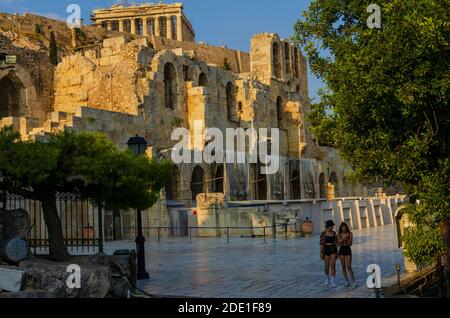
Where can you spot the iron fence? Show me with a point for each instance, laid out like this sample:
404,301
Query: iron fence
79,220
271,232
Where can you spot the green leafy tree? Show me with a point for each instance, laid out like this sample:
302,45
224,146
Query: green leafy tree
87,164
387,104
53,49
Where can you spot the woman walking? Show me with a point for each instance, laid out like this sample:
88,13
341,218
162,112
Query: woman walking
328,252
345,241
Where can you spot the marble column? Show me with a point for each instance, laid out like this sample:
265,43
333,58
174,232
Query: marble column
109,25
156,26
145,31
121,27
179,28
169,27
133,26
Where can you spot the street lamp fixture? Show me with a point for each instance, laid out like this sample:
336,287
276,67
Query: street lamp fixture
138,145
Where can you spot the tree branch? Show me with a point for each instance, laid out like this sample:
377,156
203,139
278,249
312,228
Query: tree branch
19,191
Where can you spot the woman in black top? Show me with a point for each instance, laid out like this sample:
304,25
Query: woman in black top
328,252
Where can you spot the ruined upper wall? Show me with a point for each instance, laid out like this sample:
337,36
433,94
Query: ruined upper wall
273,59
238,61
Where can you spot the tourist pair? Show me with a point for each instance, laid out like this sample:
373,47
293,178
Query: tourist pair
337,246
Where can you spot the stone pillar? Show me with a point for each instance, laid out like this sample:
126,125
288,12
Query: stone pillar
121,27
133,26
145,26
169,27
109,25
157,26
179,28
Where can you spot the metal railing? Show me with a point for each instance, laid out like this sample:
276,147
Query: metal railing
286,230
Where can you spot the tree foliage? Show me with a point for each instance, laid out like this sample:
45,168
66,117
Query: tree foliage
53,49
87,164
387,104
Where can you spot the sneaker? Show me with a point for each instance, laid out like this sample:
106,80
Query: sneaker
333,283
355,285
347,285
327,282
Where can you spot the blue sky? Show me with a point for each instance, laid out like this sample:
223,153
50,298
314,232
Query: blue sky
217,22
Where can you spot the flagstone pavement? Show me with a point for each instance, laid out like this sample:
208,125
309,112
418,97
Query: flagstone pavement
250,268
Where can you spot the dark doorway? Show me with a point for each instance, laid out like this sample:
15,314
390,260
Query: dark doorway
322,186
197,182
295,185
219,178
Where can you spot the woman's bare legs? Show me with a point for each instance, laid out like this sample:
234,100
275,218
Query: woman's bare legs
344,267
348,263
333,269
326,261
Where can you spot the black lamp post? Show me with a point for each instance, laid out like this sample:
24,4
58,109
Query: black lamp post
138,145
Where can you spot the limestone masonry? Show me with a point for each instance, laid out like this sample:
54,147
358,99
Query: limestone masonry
148,76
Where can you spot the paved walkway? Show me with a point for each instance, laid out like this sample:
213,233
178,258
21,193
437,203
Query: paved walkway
248,268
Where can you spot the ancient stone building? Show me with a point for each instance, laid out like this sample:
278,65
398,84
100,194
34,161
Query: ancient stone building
163,20
151,82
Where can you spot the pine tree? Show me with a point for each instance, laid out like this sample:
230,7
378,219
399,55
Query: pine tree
37,28
53,49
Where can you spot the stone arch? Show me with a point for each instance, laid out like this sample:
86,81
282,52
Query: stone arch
276,60
203,79
197,182
322,186
172,192
334,181
295,185
219,180
170,86
231,101
280,111
13,97
287,57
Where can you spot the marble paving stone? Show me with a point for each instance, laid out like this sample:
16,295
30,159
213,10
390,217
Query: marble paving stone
248,268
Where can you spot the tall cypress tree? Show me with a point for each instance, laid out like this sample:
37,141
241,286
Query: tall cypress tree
53,54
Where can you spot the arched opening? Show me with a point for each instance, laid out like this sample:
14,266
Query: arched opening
322,186
280,111
295,185
276,60
287,59
231,101
260,184
172,187
197,182
203,80
297,88
334,181
12,97
296,68
219,180
170,86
